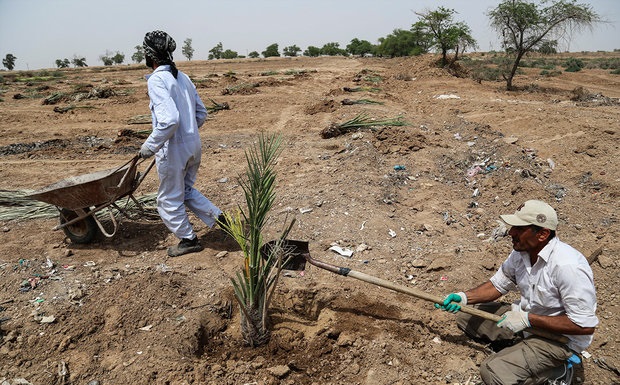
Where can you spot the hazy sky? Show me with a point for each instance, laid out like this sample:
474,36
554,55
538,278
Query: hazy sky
38,32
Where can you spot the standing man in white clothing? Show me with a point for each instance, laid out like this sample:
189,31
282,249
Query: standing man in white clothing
177,113
557,294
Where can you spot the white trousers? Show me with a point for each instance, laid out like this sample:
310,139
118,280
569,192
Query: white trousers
177,167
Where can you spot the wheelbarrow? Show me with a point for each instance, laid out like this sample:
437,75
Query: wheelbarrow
80,198
294,255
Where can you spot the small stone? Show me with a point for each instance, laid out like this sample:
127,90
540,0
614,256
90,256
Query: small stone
345,339
279,371
606,262
419,263
438,264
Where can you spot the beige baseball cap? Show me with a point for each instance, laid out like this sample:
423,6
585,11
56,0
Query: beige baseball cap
533,212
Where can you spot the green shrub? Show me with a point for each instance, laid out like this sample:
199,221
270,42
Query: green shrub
550,73
573,65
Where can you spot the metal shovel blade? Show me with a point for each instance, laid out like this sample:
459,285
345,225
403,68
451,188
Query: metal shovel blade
293,253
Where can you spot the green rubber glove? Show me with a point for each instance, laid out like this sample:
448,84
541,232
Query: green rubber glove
453,302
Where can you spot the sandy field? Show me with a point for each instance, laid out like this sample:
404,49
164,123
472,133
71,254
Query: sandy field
418,205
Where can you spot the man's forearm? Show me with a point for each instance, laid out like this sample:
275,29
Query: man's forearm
483,293
559,324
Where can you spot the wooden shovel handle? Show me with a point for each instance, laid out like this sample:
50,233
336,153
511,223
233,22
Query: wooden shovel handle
436,299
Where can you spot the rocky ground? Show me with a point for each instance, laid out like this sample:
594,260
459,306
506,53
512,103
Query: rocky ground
418,205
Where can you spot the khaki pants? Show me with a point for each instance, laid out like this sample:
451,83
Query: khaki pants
528,361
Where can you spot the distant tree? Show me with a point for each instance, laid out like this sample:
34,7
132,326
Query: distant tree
138,56
62,63
524,26
312,51
291,50
187,49
79,62
360,47
464,39
254,55
549,47
216,52
229,54
403,43
446,35
106,59
118,58
333,49
9,61
271,51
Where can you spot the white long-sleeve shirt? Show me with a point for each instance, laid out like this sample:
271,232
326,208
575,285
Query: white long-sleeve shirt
174,103
560,282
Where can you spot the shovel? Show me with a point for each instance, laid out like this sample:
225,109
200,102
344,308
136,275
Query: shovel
297,253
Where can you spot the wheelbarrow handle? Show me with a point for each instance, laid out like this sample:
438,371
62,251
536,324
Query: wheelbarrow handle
132,162
146,171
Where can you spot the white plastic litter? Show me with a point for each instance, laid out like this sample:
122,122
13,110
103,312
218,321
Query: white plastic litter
344,252
451,96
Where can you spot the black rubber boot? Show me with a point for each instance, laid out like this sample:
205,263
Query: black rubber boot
186,246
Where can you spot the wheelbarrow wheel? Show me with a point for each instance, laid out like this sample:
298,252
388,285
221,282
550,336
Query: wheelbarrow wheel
83,231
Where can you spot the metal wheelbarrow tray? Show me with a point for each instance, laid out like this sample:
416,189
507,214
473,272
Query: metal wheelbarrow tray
79,198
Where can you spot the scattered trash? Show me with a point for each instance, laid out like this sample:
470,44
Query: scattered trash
146,328
90,264
605,365
443,278
457,136
344,252
474,170
399,167
23,263
221,254
163,268
392,233
304,210
223,180
451,96
586,355
362,226
437,340
551,163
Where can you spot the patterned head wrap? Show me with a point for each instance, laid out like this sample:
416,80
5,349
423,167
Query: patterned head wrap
158,45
